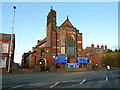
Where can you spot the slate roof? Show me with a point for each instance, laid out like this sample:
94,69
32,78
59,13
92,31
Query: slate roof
40,43
97,50
4,36
67,22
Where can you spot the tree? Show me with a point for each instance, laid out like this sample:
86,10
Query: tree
110,50
116,50
112,59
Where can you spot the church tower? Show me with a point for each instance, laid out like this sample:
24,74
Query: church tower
51,37
51,18
51,27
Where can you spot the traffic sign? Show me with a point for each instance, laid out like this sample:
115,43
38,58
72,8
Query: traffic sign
61,59
72,65
82,59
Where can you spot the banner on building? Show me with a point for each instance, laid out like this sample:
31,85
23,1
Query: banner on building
61,59
82,59
72,65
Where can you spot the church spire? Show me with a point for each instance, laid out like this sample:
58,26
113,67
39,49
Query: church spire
51,17
51,8
67,17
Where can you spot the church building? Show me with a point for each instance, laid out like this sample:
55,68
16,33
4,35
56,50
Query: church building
61,48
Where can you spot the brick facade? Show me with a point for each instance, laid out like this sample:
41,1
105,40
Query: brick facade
64,40
5,40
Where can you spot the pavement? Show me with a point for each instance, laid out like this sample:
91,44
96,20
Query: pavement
104,79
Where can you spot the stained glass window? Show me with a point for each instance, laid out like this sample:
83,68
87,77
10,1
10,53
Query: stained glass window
62,45
62,50
62,41
70,46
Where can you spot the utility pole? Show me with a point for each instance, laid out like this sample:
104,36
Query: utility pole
11,43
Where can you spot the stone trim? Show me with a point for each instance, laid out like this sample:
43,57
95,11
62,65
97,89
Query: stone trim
79,41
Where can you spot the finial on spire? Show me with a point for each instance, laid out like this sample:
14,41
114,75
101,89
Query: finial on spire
51,7
67,17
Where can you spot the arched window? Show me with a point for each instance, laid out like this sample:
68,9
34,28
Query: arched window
62,44
62,41
70,46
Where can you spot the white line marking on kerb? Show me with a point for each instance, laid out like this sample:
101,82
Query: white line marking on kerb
54,85
106,78
83,81
17,86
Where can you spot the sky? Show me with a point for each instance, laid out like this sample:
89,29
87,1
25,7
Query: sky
98,21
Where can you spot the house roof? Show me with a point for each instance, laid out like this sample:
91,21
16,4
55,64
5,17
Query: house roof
96,50
4,36
67,23
40,43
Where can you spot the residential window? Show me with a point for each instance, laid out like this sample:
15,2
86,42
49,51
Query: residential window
4,48
2,62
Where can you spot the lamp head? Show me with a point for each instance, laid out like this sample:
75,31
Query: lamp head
14,7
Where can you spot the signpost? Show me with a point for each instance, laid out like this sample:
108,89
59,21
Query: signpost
61,59
64,59
72,65
82,59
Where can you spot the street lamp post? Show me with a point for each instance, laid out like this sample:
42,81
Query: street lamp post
88,55
11,49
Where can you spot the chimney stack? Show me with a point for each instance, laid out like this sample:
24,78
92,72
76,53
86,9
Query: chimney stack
102,46
97,46
92,45
105,46
38,41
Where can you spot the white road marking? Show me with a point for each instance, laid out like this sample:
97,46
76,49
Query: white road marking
106,79
17,86
83,81
69,80
54,85
34,84
80,82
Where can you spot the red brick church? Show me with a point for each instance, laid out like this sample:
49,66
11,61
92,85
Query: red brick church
61,48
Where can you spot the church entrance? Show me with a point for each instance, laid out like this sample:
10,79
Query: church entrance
42,63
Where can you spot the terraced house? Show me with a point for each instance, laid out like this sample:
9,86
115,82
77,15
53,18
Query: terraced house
5,40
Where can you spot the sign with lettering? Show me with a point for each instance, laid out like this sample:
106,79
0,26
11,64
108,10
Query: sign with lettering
72,65
82,59
61,59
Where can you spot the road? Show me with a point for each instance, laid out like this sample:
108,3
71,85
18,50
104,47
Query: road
73,79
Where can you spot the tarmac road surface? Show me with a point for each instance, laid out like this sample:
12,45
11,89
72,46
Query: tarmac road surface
72,79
